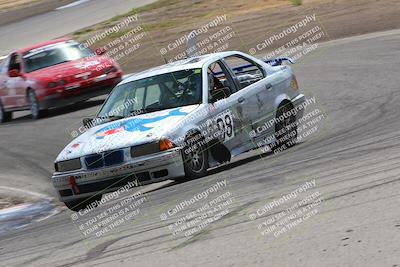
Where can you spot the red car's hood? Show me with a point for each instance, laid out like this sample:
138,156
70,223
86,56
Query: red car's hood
92,67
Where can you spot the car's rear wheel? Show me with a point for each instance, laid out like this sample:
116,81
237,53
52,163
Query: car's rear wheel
34,104
286,128
195,156
77,205
4,116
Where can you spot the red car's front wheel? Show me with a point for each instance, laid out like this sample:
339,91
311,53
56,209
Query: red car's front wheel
34,105
4,116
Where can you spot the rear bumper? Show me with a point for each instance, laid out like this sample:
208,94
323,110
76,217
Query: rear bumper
68,97
150,169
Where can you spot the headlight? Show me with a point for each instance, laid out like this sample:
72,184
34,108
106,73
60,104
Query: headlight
109,70
166,144
52,85
151,148
69,165
146,149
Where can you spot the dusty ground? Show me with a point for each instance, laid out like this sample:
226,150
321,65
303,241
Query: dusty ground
355,161
9,4
252,23
17,10
6,202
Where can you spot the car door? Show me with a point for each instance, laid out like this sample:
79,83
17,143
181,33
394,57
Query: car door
15,86
6,100
255,89
221,121
20,82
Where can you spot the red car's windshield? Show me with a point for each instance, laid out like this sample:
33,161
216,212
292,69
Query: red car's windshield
55,54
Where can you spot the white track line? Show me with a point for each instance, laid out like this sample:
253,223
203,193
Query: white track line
26,192
72,4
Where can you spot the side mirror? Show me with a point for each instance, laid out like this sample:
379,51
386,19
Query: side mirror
218,94
14,73
87,122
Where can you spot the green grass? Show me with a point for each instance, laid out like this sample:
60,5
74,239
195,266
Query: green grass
83,32
116,35
155,5
146,8
297,2
134,11
160,25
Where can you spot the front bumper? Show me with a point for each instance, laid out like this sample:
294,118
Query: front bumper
64,97
145,170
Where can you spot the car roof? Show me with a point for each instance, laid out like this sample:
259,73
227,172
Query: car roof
185,64
29,48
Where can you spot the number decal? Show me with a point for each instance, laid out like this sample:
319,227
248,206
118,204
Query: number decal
229,125
221,128
224,125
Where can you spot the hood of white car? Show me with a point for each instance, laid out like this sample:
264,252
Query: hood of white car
124,133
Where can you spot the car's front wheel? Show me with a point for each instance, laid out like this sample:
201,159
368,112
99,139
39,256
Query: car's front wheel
34,105
77,205
195,156
4,116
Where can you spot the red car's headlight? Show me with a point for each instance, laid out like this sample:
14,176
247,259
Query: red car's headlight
109,70
52,84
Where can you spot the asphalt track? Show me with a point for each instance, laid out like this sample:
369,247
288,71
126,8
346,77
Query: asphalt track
354,160
61,22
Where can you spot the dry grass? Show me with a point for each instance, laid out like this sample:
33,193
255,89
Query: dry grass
7,202
13,4
297,2
167,20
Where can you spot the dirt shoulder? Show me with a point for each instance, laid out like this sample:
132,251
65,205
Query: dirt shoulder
13,11
165,22
6,202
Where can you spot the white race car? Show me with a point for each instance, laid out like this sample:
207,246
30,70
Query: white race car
176,121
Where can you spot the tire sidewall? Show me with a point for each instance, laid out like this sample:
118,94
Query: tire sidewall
35,110
291,141
186,153
4,116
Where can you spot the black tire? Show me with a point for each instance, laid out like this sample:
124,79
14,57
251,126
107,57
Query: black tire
34,104
4,116
195,157
80,204
286,129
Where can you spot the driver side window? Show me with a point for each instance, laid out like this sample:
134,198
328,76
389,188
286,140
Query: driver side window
15,63
219,87
4,66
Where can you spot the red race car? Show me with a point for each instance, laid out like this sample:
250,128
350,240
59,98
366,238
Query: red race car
53,74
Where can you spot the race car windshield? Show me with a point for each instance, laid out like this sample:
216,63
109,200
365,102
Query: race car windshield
53,55
166,91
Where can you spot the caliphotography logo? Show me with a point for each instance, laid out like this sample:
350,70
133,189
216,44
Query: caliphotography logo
199,133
